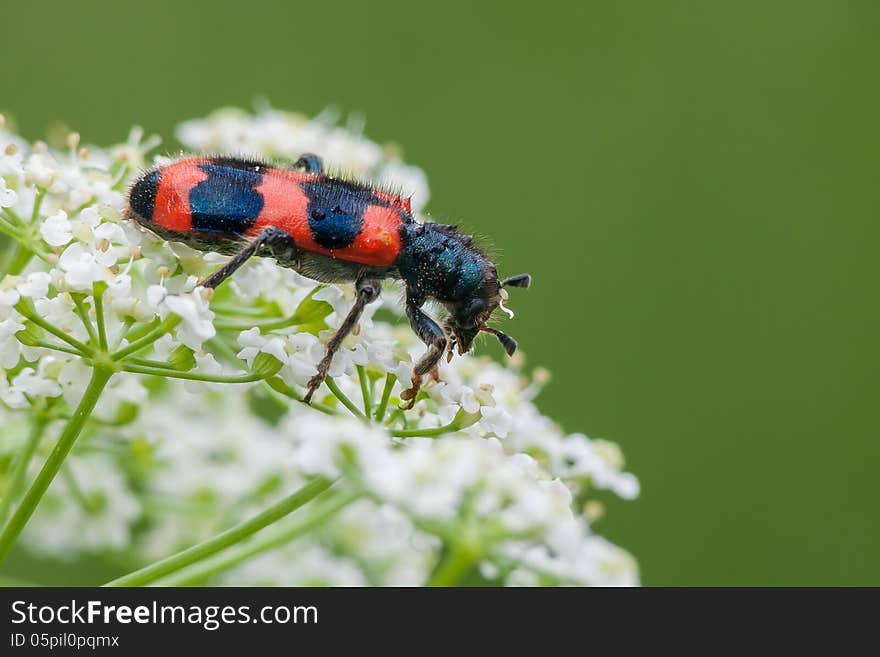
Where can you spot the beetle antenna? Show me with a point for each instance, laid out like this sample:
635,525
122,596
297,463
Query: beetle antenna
520,280
506,341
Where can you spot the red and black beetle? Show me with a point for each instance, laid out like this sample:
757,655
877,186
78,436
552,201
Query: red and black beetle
331,230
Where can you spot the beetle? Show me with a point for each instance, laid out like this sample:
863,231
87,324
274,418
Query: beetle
332,230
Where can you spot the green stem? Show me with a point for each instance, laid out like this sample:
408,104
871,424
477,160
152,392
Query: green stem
366,390
231,536
56,347
22,257
345,400
425,433
386,394
16,479
12,246
169,323
11,222
193,376
396,414
223,309
123,331
227,560
83,313
146,362
46,326
266,325
98,296
277,387
100,377
38,202
453,568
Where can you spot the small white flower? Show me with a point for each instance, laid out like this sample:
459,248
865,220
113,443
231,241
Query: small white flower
73,379
192,307
40,169
163,347
8,298
8,197
90,216
36,285
121,298
345,360
12,397
254,343
135,147
10,347
11,159
56,229
468,401
404,373
110,232
59,312
336,298
81,268
307,346
30,383
260,277
495,419
305,353
205,364
380,354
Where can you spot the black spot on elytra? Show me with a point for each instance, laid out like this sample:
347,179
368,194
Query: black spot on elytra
227,201
142,196
336,211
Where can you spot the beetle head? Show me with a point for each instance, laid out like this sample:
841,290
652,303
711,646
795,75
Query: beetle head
469,317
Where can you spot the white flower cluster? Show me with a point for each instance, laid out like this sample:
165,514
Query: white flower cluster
199,428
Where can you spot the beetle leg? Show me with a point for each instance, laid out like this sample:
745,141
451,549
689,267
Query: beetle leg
432,335
272,241
367,291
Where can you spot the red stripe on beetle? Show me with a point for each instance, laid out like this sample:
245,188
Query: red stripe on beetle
378,243
286,205
172,210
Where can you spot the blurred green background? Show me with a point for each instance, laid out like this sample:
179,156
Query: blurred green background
693,185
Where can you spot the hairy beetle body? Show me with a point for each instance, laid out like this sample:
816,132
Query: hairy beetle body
331,230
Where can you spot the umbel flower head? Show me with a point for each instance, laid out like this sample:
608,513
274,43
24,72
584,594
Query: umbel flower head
191,399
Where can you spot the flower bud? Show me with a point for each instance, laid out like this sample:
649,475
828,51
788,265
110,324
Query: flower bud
266,365
29,335
463,419
182,358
